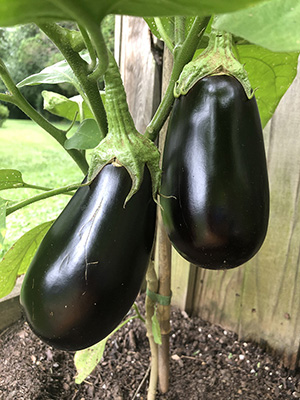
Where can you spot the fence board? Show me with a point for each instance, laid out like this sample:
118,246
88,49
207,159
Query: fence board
138,68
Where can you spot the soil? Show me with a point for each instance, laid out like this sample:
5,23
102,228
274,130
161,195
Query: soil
207,363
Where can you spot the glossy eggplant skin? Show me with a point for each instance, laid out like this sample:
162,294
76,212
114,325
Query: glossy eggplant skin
90,265
215,192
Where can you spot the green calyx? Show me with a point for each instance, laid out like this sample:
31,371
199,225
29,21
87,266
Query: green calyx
133,151
216,59
123,144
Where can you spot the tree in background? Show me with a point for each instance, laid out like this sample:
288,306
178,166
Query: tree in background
26,51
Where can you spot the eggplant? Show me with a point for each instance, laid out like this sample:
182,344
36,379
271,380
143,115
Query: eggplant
90,265
215,191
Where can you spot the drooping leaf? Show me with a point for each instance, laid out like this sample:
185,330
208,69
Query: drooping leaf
10,179
16,261
14,12
271,24
156,329
87,136
2,222
87,359
67,108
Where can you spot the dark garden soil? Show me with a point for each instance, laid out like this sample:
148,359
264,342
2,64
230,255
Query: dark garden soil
207,363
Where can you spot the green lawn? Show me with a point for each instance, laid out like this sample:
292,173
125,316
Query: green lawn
28,148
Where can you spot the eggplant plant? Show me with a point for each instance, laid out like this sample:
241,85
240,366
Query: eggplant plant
87,267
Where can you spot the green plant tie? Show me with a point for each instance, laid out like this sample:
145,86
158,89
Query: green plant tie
158,298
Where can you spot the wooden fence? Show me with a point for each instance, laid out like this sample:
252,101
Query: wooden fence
261,299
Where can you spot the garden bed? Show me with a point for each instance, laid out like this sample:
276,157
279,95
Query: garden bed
207,363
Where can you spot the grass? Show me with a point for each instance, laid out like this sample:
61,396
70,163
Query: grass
28,148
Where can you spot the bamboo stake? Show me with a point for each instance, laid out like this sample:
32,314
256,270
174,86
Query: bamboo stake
152,284
163,261
163,257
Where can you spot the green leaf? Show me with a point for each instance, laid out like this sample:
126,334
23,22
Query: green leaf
270,75
87,136
10,179
166,22
59,72
271,24
22,12
16,261
178,7
87,359
14,12
67,108
2,222
164,28
56,73
156,329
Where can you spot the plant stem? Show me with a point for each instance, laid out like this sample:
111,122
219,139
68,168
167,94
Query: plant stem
120,121
36,187
89,47
183,56
43,196
15,97
81,15
179,30
124,323
80,69
29,186
152,284
138,314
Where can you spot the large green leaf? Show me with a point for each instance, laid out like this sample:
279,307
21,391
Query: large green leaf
67,108
22,11
272,24
60,72
270,75
87,136
14,12
16,261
